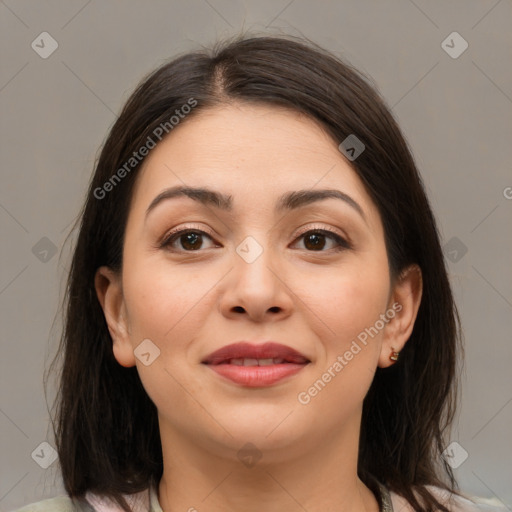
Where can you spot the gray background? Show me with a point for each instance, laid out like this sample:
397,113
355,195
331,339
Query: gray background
55,112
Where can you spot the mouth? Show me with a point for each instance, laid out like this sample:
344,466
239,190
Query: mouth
256,365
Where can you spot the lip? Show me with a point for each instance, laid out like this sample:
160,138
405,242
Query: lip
289,363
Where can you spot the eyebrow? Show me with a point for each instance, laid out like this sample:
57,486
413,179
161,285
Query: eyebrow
288,201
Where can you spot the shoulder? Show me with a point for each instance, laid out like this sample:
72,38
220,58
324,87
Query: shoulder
452,501
58,504
139,502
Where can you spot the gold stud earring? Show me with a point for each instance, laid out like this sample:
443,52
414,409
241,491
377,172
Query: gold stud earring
394,355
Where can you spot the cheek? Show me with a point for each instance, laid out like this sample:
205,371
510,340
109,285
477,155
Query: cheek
162,302
345,370
168,308
348,301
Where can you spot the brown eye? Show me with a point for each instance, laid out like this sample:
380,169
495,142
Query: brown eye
316,240
186,239
191,241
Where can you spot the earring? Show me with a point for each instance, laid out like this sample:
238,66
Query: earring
394,355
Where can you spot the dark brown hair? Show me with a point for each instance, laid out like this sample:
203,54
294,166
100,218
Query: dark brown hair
106,426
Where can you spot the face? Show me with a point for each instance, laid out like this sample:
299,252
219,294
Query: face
310,273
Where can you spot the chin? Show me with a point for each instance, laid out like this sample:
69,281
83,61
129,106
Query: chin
273,429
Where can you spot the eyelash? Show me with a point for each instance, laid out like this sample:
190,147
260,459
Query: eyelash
342,243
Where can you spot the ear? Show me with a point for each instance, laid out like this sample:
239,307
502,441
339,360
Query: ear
110,294
402,310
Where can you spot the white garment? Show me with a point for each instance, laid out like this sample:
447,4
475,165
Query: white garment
148,502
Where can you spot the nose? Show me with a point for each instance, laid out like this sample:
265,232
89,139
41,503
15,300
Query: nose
256,289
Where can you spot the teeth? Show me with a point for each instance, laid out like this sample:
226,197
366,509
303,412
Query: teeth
256,362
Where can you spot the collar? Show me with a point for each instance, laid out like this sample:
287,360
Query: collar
154,504
387,505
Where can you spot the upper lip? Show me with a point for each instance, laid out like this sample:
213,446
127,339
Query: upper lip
243,350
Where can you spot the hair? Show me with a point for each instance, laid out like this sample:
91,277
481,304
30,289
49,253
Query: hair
106,426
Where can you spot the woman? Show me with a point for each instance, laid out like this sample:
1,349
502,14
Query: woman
258,312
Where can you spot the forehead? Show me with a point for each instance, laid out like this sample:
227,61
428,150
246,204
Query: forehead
256,150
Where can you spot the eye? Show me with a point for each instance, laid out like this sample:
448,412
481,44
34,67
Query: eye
315,240
318,239
188,240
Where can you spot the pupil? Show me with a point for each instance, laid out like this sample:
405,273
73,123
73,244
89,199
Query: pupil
318,241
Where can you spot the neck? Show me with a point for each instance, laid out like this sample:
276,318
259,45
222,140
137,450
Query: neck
321,478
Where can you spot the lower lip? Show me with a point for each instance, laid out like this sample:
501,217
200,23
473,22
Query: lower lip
256,376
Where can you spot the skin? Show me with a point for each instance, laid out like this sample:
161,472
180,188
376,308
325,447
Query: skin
316,300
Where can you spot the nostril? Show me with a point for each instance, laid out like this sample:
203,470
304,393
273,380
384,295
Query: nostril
240,309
